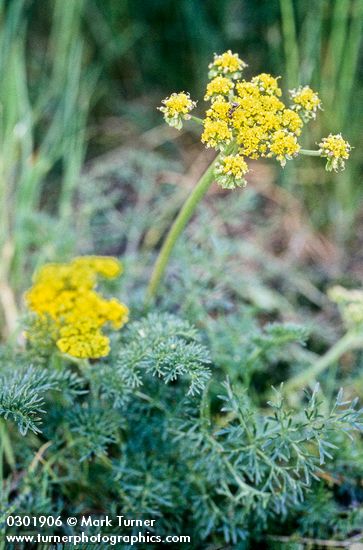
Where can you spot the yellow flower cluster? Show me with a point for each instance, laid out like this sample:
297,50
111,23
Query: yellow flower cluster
251,114
306,102
231,170
176,108
249,119
336,150
66,295
228,64
350,303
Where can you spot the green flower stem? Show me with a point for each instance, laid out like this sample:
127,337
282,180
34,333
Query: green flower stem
176,229
309,153
351,340
196,119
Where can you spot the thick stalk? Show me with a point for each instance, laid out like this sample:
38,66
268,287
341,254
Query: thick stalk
351,340
176,229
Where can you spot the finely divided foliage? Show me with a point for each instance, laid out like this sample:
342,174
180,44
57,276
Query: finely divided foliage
23,393
213,458
161,346
261,465
167,348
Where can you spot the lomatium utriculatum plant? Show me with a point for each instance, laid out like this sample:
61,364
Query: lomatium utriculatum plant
132,421
246,119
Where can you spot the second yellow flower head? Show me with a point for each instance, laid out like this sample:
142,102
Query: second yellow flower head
66,294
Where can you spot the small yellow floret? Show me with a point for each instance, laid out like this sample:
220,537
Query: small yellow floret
336,150
234,165
216,133
245,88
230,171
306,102
284,146
227,64
251,141
177,104
220,110
219,86
267,83
292,121
176,108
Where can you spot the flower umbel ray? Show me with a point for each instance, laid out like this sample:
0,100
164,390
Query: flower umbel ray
65,295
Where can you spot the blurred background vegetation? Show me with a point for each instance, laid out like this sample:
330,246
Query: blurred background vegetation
81,81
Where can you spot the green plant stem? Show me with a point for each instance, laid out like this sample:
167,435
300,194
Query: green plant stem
176,229
196,119
309,153
351,340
